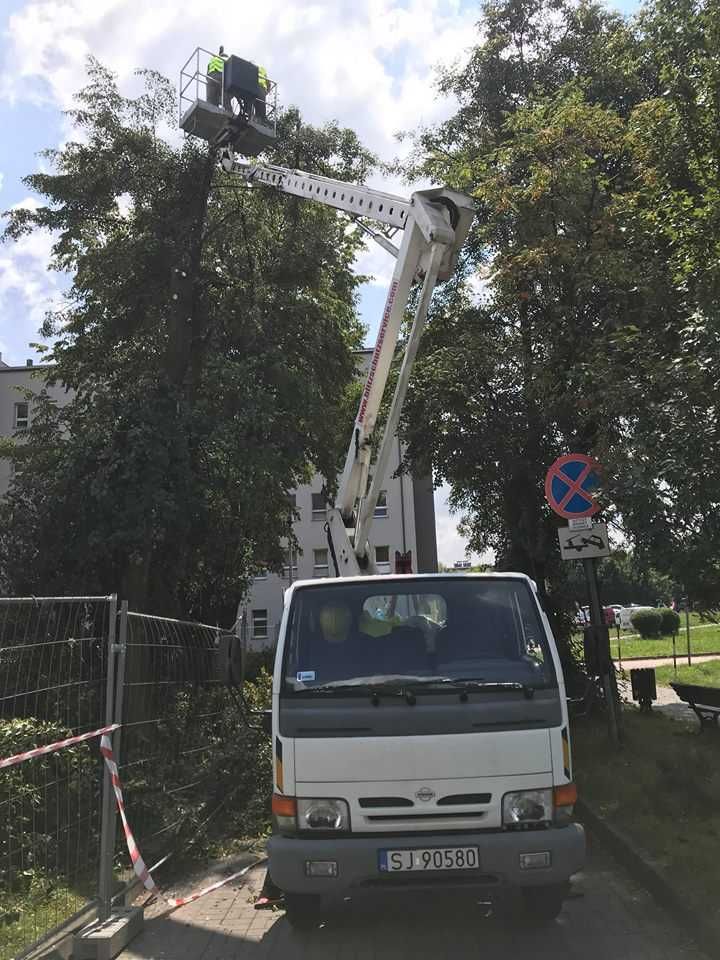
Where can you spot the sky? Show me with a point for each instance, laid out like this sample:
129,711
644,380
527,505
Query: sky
369,65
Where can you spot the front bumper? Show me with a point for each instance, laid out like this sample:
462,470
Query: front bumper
357,859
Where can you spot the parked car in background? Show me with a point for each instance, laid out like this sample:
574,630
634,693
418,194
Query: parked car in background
582,616
616,608
627,612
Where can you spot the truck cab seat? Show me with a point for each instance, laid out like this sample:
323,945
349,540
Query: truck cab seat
404,650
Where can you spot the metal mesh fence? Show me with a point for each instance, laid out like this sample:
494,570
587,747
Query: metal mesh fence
53,672
177,723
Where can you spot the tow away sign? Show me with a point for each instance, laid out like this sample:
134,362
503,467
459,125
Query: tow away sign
584,544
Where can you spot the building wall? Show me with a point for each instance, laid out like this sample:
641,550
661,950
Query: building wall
11,378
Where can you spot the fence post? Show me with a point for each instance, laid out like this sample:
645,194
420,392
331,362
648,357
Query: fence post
103,939
109,821
107,828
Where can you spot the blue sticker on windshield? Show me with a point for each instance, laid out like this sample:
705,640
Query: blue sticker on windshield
306,676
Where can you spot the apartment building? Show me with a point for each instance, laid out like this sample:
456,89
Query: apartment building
15,411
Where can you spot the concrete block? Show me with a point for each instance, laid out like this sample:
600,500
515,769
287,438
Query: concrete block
105,940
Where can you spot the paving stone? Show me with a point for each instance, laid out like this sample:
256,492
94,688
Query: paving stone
607,918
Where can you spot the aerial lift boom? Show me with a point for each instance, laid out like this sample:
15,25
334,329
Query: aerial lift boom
435,224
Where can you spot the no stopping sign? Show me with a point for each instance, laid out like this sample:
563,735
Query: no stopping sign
570,485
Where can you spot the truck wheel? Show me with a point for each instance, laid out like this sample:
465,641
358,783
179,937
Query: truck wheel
541,905
302,910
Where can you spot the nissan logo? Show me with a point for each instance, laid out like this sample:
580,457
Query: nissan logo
425,794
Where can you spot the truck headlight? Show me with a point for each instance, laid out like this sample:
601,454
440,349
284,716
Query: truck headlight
321,814
527,807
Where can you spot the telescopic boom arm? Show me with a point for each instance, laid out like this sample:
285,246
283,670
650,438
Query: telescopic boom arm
435,224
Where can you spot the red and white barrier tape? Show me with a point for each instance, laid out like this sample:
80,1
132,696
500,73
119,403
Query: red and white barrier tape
54,747
141,870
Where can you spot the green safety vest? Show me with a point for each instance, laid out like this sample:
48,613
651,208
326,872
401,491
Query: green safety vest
263,81
215,65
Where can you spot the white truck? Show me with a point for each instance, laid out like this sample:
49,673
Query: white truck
419,722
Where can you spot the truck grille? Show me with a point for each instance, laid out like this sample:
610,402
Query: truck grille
400,817
452,800
468,799
369,803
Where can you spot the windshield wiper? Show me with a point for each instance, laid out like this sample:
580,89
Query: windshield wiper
397,686
491,686
406,686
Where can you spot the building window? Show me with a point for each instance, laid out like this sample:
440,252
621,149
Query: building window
20,420
286,567
382,559
320,563
381,505
260,624
319,510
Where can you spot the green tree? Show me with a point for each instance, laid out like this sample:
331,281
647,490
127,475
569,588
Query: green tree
506,380
585,321
664,468
623,581
207,337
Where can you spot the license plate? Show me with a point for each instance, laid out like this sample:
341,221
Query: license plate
432,858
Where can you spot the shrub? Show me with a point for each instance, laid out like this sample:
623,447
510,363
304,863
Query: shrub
41,802
648,623
670,621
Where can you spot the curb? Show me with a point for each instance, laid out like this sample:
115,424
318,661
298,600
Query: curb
649,874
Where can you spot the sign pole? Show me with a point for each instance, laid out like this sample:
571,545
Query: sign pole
602,636
570,486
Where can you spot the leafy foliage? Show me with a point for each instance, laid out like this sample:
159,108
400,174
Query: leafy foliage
210,775
585,317
648,623
207,338
622,580
670,624
38,832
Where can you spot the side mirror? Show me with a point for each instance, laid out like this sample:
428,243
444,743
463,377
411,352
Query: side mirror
229,667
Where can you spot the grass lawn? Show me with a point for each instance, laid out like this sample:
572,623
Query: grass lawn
663,789
25,919
706,674
702,640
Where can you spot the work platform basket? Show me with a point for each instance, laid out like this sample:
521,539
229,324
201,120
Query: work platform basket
230,108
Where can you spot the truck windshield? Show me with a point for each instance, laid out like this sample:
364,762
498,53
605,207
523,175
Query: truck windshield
348,635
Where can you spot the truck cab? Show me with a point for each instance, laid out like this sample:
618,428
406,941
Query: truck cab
420,739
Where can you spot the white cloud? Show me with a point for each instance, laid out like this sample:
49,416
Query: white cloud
377,264
2,178
368,65
27,288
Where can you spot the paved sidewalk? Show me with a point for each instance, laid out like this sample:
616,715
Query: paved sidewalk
668,702
629,665
607,918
